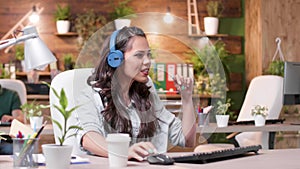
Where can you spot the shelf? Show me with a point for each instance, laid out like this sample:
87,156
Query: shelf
40,73
66,34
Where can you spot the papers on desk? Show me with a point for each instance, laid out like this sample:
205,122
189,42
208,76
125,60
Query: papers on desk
74,160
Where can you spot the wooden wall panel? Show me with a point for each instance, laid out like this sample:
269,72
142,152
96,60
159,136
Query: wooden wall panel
265,21
13,10
253,47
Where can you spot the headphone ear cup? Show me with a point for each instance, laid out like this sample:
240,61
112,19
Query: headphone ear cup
115,58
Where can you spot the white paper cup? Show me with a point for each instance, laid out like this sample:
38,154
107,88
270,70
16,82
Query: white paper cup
118,145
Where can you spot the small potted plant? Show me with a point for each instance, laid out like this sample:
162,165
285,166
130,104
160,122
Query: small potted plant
59,156
121,14
62,17
68,61
260,114
20,63
34,113
222,117
214,11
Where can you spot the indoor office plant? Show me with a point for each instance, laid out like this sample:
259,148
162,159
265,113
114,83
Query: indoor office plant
19,54
33,112
68,61
222,117
259,113
214,11
86,24
121,14
58,156
62,17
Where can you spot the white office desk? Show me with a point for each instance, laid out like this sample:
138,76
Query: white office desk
267,159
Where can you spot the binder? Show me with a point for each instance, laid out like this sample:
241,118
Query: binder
179,69
161,76
171,71
191,70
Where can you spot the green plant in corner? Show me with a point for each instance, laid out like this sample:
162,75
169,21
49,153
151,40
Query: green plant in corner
65,112
62,12
215,8
121,10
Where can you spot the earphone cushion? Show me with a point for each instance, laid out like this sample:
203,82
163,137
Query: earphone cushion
115,58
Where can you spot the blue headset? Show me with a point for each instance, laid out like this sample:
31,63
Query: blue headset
115,57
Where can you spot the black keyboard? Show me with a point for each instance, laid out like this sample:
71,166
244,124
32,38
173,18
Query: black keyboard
206,157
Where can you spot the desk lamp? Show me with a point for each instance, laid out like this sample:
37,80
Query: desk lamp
37,54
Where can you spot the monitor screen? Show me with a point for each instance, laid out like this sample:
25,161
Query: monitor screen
291,83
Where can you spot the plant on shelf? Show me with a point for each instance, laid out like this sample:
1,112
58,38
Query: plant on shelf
86,24
62,16
121,14
214,8
68,61
121,10
214,11
207,61
19,54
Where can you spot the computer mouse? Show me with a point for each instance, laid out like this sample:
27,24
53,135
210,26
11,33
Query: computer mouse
160,159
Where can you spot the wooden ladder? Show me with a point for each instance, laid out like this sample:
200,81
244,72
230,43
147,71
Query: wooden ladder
23,22
193,21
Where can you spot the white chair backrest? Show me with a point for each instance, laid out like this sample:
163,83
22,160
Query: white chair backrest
71,81
265,90
16,85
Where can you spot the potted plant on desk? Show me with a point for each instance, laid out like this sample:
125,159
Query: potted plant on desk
34,113
59,156
222,117
259,113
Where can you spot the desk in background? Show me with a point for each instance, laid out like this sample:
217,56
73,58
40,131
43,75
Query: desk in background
267,159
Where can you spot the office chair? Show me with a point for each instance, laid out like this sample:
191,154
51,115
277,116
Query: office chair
16,85
71,81
263,90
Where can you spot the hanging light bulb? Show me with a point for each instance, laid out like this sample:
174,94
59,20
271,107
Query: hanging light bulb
168,18
34,17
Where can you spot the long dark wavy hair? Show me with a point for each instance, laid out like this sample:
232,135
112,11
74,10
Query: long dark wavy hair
115,119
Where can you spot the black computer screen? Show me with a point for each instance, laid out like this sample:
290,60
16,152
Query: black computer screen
291,83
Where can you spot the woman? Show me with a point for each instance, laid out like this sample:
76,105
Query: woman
123,100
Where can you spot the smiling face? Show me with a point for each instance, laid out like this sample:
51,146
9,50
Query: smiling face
137,59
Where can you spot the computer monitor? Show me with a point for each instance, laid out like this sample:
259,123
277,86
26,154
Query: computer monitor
291,83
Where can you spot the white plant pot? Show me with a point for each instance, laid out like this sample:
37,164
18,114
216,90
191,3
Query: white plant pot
259,120
211,25
36,122
56,156
63,26
120,23
222,120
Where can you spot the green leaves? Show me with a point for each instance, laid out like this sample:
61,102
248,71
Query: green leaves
65,112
